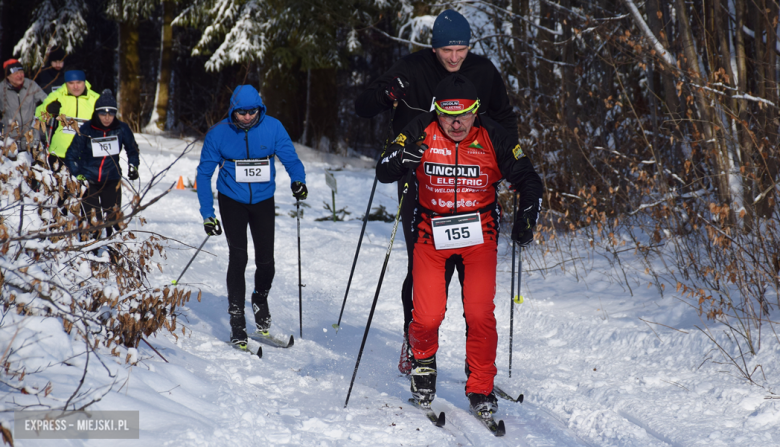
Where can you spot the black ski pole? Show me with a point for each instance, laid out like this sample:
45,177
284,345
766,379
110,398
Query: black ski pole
176,281
337,326
300,284
512,292
378,287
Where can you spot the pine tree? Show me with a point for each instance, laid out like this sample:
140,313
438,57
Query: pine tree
55,23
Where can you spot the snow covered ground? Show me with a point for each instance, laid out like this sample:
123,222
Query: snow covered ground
592,371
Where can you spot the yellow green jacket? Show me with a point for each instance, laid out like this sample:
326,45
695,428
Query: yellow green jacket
73,107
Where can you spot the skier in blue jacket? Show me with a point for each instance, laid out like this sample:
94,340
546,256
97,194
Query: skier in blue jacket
243,145
93,156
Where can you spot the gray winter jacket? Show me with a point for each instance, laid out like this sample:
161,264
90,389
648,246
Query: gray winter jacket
19,106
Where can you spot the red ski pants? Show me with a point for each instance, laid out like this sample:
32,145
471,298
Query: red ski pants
430,301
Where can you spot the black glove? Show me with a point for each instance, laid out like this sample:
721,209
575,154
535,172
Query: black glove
299,190
523,229
132,172
212,226
54,108
411,156
396,89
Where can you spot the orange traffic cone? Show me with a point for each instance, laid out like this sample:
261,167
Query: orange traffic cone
195,184
180,184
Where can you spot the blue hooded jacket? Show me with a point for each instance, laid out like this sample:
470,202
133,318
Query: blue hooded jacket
226,142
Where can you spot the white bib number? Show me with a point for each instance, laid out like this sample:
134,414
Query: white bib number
457,231
105,146
253,171
70,130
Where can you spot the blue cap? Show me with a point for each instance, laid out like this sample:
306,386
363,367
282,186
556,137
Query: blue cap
75,75
450,28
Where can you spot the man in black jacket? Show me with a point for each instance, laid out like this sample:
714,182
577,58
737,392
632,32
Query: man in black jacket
52,76
411,83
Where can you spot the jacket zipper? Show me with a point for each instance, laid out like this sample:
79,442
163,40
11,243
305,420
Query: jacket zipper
246,139
457,145
100,171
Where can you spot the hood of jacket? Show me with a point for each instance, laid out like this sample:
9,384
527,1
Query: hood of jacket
246,97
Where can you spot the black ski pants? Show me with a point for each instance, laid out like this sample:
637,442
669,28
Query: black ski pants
236,216
102,197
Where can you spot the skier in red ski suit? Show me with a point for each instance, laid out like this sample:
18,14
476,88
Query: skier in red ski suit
456,159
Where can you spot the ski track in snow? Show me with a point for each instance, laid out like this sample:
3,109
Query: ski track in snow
592,373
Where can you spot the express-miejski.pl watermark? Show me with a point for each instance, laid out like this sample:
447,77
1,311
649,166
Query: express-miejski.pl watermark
76,425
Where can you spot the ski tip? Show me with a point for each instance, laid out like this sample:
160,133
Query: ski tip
441,420
259,352
291,342
501,429
520,398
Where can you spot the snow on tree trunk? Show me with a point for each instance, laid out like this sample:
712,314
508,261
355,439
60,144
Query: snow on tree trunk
159,112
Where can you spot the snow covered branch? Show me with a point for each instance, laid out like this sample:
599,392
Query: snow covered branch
640,22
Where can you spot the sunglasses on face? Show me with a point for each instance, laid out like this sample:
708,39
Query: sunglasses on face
243,112
460,117
107,112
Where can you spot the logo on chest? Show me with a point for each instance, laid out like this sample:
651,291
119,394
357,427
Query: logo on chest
440,151
466,175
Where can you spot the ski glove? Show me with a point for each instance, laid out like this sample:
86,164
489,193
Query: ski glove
396,89
212,226
411,156
54,108
299,190
132,172
523,229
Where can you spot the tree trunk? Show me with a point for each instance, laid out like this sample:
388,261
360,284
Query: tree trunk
129,95
656,26
769,150
306,116
720,167
160,111
745,138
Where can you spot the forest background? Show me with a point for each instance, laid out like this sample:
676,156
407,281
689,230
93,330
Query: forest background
654,125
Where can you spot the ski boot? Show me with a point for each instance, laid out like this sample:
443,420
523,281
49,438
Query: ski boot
260,309
424,381
483,405
237,327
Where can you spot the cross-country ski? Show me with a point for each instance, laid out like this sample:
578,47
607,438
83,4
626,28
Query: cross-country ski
273,340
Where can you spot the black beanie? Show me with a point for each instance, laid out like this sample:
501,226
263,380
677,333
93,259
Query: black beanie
455,92
57,54
106,101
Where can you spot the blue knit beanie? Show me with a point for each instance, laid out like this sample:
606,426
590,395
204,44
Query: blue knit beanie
75,75
450,28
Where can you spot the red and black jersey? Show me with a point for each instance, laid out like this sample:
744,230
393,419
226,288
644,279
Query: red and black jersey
462,177
457,177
